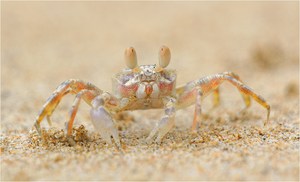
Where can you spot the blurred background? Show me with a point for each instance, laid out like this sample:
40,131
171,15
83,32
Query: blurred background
46,43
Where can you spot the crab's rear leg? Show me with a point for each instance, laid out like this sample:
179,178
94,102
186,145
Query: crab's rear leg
88,96
196,90
216,92
216,100
70,86
197,112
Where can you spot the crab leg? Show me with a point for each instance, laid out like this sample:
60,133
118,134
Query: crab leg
246,97
216,97
70,86
197,112
216,92
188,94
102,118
166,123
88,96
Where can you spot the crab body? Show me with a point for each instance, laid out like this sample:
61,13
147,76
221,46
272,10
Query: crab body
143,87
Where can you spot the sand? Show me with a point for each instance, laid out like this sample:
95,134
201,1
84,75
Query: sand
45,43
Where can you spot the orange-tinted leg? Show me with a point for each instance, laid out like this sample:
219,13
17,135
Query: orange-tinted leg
246,97
216,97
189,94
88,96
210,83
70,86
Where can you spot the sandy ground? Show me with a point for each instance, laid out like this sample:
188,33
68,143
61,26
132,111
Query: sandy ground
45,43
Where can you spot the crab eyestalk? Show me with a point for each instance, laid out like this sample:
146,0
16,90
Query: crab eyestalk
130,58
164,56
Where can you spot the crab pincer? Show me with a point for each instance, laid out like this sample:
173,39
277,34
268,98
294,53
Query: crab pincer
103,122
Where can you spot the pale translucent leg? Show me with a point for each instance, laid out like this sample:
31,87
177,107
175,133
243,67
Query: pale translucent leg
197,113
103,121
165,124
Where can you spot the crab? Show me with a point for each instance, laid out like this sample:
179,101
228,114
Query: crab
140,88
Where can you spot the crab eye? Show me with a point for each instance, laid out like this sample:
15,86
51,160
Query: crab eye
130,57
164,56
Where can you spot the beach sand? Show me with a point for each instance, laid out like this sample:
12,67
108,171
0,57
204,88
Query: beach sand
46,43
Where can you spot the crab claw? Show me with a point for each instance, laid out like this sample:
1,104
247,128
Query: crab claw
103,122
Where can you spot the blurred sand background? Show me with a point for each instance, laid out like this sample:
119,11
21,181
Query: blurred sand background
45,43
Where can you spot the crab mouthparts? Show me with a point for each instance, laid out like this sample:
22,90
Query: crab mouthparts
149,89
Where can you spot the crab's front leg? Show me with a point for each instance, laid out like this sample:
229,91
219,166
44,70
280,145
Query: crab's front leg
101,115
166,123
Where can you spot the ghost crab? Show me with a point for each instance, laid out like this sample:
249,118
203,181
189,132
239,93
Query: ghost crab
143,87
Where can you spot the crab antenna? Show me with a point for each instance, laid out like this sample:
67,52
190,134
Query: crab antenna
130,58
164,56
